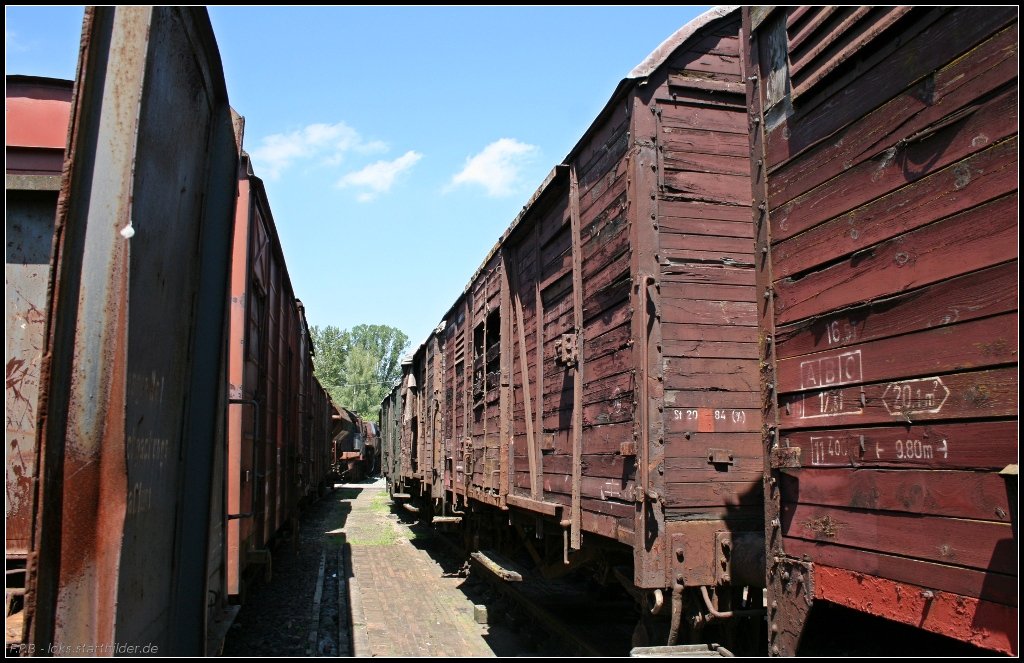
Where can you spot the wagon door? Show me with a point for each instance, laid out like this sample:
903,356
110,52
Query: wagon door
134,381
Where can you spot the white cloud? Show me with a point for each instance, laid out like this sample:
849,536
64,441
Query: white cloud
328,142
13,43
497,167
379,176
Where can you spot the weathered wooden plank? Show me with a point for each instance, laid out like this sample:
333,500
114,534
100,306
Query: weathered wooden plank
725,374
692,209
978,294
998,587
679,140
706,163
711,228
980,237
689,271
729,493
709,187
930,100
977,445
710,349
605,301
981,496
969,543
708,291
809,26
715,419
707,119
711,63
957,31
611,466
733,334
860,29
971,394
688,79
704,312
978,179
611,341
989,125
969,345
697,398
671,241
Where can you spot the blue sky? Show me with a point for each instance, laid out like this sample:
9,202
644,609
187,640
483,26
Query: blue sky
397,143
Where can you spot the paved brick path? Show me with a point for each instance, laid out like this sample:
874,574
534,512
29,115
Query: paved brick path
408,606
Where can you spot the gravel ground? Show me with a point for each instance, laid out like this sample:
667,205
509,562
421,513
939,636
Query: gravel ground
276,617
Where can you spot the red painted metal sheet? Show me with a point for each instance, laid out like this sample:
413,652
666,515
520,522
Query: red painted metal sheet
38,112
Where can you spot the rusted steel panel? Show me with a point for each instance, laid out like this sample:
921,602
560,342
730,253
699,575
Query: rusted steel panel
38,112
890,313
142,253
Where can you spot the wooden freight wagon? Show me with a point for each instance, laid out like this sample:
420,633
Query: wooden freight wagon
268,347
599,373
884,161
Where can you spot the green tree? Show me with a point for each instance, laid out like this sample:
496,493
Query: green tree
358,366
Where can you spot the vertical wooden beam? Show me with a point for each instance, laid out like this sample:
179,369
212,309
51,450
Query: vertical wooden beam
531,446
576,515
505,395
538,312
649,549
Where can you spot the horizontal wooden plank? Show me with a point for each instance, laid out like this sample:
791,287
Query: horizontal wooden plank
703,312
969,345
981,237
720,374
709,227
727,245
970,395
698,271
998,587
681,140
930,100
961,542
708,291
711,332
692,209
611,466
978,294
706,81
978,179
692,451
721,419
536,506
976,445
708,187
707,119
697,398
727,493
709,349
977,495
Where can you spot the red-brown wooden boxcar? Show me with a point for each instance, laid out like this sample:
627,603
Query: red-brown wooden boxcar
279,431
38,111
600,371
884,157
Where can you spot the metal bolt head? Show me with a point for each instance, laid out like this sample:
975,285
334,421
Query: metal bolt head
679,554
